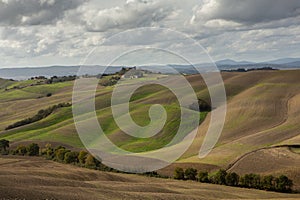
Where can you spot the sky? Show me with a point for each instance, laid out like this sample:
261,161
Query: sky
56,32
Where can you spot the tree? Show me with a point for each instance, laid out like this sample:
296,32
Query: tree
3,145
220,177
21,150
190,174
91,162
82,157
232,179
60,154
284,184
201,106
268,182
33,149
48,151
179,174
256,181
71,157
251,181
203,177
242,181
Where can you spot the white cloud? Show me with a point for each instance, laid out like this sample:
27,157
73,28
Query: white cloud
133,14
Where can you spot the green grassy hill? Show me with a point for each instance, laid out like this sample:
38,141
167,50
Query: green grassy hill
59,126
5,83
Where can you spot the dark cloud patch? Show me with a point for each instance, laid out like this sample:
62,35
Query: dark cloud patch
247,11
34,12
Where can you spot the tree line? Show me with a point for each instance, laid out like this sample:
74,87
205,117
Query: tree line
84,159
64,155
39,116
60,79
222,177
59,154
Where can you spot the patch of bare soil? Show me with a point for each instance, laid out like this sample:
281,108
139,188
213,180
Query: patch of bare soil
273,161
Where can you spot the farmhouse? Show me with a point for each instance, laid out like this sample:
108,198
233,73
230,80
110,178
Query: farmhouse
133,73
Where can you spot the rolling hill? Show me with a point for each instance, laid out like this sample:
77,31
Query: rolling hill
263,111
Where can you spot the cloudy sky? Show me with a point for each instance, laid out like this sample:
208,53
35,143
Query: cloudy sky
56,32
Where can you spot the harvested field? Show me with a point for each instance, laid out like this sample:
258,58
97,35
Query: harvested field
36,178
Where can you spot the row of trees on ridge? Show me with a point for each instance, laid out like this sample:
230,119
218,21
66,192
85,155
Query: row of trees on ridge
222,177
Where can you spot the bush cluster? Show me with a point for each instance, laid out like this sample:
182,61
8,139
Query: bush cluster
249,70
39,116
30,150
62,155
221,177
201,105
109,81
59,79
82,158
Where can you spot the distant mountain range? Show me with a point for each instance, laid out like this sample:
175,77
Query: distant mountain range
25,73
232,62
282,61
285,63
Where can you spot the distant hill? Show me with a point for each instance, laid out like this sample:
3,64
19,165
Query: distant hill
227,64
283,61
25,73
4,83
232,62
293,64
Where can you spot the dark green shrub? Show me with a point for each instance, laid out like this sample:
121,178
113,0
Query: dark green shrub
203,177
109,82
71,157
232,179
60,154
48,152
190,174
201,106
82,157
283,184
21,150
91,162
251,181
179,174
268,183
33,149
220,177
4,144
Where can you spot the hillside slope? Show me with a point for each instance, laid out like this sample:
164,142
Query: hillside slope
50,180
262,111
